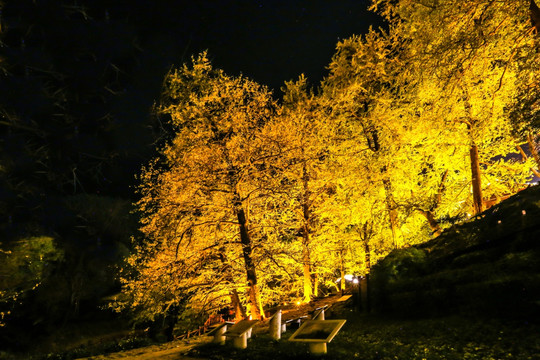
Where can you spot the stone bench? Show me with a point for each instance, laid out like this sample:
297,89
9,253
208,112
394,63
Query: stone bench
296,321
318,313
218,332
240,332
317,333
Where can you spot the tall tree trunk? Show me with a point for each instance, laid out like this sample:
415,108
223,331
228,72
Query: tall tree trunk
245,239
251,273
476,180
367,256
307,272
306,241
365,234
342,272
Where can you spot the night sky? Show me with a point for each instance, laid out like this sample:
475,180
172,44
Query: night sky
271,41
107,59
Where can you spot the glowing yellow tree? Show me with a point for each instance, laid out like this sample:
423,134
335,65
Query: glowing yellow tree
462,56
201,197
525,109
359,78
305,134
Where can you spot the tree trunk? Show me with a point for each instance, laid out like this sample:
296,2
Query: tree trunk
239,311
532,149
432,222
366,306
367,256
392,212
307,273
251,273
306,241
342,272
245,239
170,320
476,180
364,285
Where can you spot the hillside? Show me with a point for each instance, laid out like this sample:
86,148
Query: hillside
487,265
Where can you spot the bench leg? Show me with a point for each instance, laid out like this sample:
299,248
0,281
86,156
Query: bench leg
218,336
240,342
317,348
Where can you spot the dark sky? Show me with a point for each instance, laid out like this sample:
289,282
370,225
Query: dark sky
131,44
271,41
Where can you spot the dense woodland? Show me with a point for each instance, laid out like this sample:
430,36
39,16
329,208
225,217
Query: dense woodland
250,200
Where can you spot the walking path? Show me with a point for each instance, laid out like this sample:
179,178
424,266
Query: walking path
175,350
169,351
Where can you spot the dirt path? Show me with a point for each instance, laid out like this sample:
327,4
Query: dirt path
174,350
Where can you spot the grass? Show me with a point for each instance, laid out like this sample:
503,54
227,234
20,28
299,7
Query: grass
364,336
375,337
80,340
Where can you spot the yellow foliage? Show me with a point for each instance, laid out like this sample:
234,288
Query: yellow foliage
269,200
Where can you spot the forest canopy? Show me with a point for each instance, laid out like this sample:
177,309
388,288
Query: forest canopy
417,126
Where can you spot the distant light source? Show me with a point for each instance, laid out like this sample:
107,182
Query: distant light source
347,277
355,280
523,212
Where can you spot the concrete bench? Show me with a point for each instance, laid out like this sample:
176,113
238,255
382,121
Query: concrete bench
240,332
218,332
274,325
318,313
317,333
344,298
296,322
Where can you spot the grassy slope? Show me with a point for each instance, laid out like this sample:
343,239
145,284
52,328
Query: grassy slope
489,265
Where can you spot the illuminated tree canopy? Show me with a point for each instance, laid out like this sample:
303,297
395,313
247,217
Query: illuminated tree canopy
415,127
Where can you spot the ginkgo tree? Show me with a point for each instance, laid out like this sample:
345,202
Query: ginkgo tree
525,108
382,139
251,202
306,134
203,200
462,55
424,107
360,77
